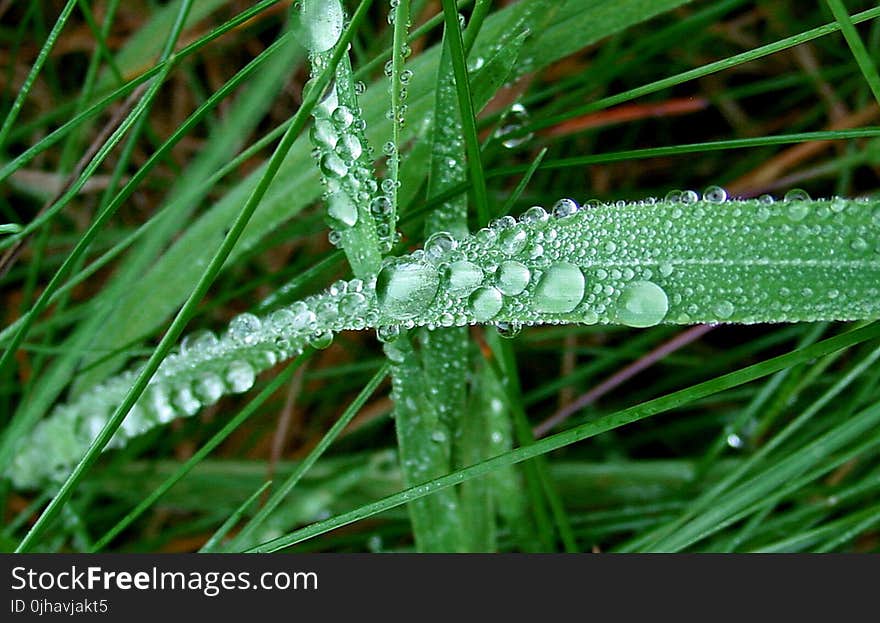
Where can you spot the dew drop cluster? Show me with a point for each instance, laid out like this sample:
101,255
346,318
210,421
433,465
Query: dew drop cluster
684,259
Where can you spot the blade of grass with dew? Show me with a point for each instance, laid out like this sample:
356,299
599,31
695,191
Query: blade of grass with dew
160,291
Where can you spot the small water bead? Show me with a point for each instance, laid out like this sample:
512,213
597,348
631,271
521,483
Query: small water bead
406,76
796,194
387,333
239,376
208,387
797,210
389,186
381,206
462,277
560,289
485,303
185,401
389,148
508,330
352,304
512,241
404,288
689,197
245,328
342,210
304,319
565,207
200,341
439,244
510,132
324,21
859,245
535,214
642,304
715,194
673,196
512,277
723,309
666,269
321,339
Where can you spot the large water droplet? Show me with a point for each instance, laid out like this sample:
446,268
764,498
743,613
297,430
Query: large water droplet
642,304
463,277
512,277
324,21
560,289
342,209
405,288
485,303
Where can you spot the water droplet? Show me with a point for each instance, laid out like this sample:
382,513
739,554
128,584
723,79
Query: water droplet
405,288
352,304
245,328
198,342
387,333
240,376
535,214
485,303
723,309
673,196
333,166
666,269
462,278
797,210
796,194
715,194
381,206
734,441
560,289
859,245
513,122
324,22
342,210
508,330
342,117
512,277
209,387
564,207
439,244
642,304
689,197
349,147
512,241
321,339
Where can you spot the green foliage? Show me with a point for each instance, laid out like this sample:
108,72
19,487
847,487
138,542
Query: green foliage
771,445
